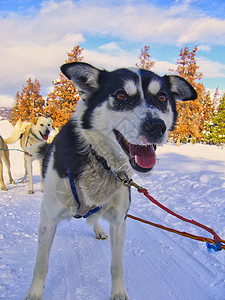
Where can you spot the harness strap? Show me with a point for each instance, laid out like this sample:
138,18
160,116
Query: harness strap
74,192
35,135
31,132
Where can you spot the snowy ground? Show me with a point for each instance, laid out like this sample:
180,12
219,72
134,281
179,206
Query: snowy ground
158,265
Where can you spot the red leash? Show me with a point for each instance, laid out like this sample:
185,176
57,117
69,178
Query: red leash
216,243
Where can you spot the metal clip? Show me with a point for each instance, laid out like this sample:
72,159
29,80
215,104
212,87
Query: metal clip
126,181
132,183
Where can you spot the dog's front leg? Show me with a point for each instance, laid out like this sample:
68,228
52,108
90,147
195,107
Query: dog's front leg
117,235
42,189
29,172
46,233
118,212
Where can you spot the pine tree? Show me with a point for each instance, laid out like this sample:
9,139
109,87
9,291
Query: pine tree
62,100
29,103
192,115
145,61
214,132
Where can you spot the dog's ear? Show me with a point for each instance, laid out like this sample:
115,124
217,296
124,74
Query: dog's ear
84,77
181,89
51,120
34,121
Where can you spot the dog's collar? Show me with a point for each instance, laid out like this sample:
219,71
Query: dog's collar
103,162
100,159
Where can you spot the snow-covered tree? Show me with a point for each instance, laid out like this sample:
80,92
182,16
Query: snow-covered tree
61,102
214,132
29,103
145,61
192,115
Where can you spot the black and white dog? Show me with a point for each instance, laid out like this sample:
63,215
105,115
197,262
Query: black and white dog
120,118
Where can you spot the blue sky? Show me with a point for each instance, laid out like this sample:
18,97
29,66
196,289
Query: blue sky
36,35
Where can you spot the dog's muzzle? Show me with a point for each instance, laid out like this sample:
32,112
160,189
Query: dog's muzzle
142,157
153,130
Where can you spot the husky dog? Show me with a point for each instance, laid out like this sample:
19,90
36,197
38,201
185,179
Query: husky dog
4,155
30,133
119,119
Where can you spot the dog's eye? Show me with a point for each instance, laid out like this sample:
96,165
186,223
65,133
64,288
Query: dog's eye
41,124
162,96
121,95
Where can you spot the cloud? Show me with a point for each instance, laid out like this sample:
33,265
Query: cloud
36,45
111,47
211,69
109,61
6,101
36,60
205,48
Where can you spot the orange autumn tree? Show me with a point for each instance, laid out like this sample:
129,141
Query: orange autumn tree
28,104
191,114
61,102
145,61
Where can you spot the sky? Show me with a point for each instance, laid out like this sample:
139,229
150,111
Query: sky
37,35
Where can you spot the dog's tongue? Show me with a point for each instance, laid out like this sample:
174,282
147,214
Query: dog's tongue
145,155
45,137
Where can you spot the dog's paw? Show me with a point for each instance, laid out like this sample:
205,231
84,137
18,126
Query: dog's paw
30,192
101,235
4,188
31,296
119,297
23,180
35,292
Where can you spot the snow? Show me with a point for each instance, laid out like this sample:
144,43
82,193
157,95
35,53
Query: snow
189,179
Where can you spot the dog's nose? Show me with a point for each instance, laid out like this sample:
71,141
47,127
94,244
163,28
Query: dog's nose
153,129
47,131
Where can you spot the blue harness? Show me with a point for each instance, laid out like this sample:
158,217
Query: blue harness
31,132
103,162
73,189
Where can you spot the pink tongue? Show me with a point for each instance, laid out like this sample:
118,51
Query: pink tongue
45,137
145,155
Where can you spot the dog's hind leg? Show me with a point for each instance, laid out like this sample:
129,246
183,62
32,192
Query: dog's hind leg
3,187
25,171
7,163
46,233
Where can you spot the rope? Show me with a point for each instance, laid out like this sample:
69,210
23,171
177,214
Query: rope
15,150
216,243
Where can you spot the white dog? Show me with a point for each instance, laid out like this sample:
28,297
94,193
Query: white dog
30,133
4,155
121,116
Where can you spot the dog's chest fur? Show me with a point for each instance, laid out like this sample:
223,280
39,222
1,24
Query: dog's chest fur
95,184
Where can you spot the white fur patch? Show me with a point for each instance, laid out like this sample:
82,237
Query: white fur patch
154,87
130,87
